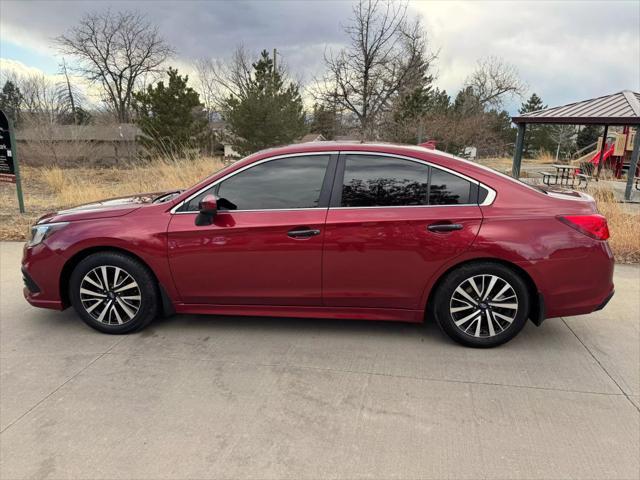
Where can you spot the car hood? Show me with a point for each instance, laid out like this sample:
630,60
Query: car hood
112,207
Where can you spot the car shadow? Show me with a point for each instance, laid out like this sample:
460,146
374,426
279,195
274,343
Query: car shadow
287,324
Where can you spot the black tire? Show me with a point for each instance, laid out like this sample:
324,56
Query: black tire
448,298
115,263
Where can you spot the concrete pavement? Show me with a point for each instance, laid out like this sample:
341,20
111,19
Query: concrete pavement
224,397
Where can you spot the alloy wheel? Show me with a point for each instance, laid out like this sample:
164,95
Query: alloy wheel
110,295
483,306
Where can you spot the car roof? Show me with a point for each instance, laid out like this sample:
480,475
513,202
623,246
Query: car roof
344,145
414,151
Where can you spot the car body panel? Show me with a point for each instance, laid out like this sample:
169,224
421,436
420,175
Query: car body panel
247,258
141,233
382,257
112,207
302,311
378,263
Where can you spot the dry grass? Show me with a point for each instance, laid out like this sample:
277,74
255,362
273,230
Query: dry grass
54,188
624,226
48,189
544,158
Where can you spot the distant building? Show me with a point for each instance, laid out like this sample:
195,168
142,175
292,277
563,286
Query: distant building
95,144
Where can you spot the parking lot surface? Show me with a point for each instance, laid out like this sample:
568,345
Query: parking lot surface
224,397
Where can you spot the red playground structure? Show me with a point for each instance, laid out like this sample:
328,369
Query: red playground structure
617,153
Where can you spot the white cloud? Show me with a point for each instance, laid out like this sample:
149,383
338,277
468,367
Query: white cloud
10,68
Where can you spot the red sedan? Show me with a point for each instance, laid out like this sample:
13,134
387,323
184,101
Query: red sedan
336,230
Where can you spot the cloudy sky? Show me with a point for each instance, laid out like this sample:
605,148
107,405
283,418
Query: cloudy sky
565,51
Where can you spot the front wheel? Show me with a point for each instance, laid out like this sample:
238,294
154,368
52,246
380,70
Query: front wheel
113,292
482,305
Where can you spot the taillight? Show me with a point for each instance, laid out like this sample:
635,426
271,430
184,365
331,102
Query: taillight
594,226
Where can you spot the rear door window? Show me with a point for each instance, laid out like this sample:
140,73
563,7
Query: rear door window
377,181
380,181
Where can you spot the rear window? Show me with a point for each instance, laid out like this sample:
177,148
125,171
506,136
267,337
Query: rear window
448,189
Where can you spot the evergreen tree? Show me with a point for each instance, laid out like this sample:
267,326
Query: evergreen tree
324,121
439,102
410,107
415,101
537,137
505,132
170,115
587,135
10,101
268,113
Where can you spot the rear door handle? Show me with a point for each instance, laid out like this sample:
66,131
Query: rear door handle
303,232
444,227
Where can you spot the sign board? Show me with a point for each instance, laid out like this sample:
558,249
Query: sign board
7,165
9,171
618,149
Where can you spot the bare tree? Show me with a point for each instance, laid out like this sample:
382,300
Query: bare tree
70,92
562,135
115,50
493,80
45,104
386,54
221,78
43,99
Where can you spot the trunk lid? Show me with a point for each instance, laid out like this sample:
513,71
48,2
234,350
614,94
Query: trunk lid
574,201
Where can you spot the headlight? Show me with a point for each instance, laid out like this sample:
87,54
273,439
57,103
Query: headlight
40,232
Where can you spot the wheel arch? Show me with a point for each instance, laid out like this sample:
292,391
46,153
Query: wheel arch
536,308
76,258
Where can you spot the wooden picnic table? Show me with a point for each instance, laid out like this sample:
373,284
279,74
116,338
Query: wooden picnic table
563,174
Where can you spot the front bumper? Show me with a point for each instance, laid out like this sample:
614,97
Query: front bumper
41,269
31,286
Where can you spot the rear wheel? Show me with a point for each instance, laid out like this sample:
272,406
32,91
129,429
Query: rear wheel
113,293
482,304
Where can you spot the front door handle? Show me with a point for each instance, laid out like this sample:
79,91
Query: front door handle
444,227
303,232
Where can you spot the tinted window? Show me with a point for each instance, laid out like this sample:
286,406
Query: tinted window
372,181
293,182
448,189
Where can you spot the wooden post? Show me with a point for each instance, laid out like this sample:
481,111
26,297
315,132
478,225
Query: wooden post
517,154
604,144
633,165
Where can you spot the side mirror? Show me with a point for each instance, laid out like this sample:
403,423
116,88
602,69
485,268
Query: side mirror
208,205
208,208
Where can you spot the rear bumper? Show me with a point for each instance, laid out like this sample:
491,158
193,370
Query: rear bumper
575,286
605,301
